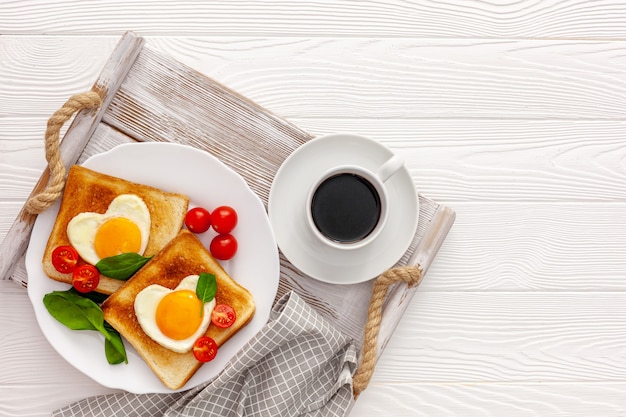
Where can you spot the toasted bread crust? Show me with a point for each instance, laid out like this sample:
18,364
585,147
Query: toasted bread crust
90,191
182,256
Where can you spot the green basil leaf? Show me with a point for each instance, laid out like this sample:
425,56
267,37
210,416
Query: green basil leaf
114,357
80,313
206,288
74,311
114,346
96,297
121,266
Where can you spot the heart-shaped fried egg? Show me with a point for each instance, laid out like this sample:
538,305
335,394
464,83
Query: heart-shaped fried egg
124,228
176,318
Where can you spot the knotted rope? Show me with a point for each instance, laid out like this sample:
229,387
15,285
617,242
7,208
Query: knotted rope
411,275
44,199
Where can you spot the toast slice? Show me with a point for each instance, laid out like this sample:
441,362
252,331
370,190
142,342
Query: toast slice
182,256
90,191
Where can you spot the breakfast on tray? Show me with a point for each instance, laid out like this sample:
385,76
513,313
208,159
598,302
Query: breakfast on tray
123,245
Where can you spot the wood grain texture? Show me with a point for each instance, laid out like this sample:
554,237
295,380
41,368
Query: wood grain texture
540,161
553,248
512,113
493,400
363,78
43,68
481,337
475,19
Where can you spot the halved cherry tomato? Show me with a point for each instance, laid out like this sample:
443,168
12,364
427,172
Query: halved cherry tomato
205,349
64,259
223,316
223,247
198,220
224,219
85,278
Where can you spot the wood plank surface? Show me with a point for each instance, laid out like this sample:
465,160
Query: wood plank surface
359,78
543,161
512,113
321,18
494,400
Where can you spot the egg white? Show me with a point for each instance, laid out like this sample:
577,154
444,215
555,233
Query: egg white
81,230
146,303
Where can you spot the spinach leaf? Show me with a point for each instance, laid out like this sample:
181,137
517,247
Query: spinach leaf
114,346
79,313
74,311
96,297
121,266
206,288
114,357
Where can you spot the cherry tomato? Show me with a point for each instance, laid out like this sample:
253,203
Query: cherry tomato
64,259
223,247
198,220
85,278
204,349
223,316
224,219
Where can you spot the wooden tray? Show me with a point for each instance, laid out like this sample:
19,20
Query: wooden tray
150,97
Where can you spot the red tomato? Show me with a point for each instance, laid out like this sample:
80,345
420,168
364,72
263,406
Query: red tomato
204,349
198,220
85,278
223,247
223,316
224,219
64,259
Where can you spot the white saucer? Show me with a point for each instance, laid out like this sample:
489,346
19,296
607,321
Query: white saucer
287,211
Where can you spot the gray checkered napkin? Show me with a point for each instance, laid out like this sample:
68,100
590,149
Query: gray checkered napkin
297,365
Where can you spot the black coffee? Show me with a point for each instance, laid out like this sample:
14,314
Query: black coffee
345,208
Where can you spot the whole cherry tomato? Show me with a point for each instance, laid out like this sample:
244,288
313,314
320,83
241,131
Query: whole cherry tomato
85,278
198,220
224,219
223,247
204,349
64,259
223,316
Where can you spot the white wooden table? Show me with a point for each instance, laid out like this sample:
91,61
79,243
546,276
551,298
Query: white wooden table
511,113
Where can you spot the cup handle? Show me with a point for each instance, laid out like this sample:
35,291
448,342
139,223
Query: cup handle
390,167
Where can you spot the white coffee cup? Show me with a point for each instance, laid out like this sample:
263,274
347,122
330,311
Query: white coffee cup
347,207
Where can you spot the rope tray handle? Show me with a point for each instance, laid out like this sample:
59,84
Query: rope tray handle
44,199
411,275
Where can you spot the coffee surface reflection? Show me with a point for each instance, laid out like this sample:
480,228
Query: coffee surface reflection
345,208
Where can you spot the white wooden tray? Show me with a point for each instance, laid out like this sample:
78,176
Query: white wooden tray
150,97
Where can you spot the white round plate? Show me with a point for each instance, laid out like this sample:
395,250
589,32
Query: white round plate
287,210
208,183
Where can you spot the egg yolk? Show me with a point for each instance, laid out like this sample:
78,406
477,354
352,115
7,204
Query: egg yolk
179,314
116,236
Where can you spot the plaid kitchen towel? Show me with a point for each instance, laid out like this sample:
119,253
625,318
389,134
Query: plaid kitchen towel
297,365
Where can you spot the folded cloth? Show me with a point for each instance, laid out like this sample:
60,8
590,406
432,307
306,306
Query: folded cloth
297,365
